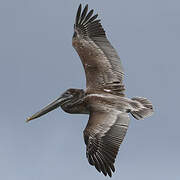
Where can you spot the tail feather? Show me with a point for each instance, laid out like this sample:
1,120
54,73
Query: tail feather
141,108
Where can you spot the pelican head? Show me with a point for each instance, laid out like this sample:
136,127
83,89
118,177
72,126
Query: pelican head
66,101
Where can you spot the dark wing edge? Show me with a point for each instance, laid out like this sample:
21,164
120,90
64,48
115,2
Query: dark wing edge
89,26
103,139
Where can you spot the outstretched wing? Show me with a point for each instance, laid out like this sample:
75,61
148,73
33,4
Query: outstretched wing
101,62
103,135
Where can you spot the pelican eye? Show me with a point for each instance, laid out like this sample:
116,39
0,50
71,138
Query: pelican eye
68,94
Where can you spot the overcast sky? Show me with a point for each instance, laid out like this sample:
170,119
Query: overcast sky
38,63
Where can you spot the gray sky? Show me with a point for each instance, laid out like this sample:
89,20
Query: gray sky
38,63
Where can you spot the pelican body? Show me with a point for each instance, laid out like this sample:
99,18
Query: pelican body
103,99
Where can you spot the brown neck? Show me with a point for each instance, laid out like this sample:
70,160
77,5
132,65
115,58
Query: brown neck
76,105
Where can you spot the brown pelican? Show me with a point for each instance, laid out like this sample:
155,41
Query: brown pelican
104,99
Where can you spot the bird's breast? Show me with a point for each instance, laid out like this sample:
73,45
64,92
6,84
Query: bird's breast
105,102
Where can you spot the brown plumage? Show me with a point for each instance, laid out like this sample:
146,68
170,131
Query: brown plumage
101,62
104,99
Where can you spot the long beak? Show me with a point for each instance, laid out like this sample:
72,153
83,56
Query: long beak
53,105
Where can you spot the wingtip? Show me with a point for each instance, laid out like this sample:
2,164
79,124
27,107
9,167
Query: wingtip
86,6
80,7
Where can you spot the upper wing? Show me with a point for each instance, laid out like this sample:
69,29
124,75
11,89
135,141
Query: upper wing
100,60
103,135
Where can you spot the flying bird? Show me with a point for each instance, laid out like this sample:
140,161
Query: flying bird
104,97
